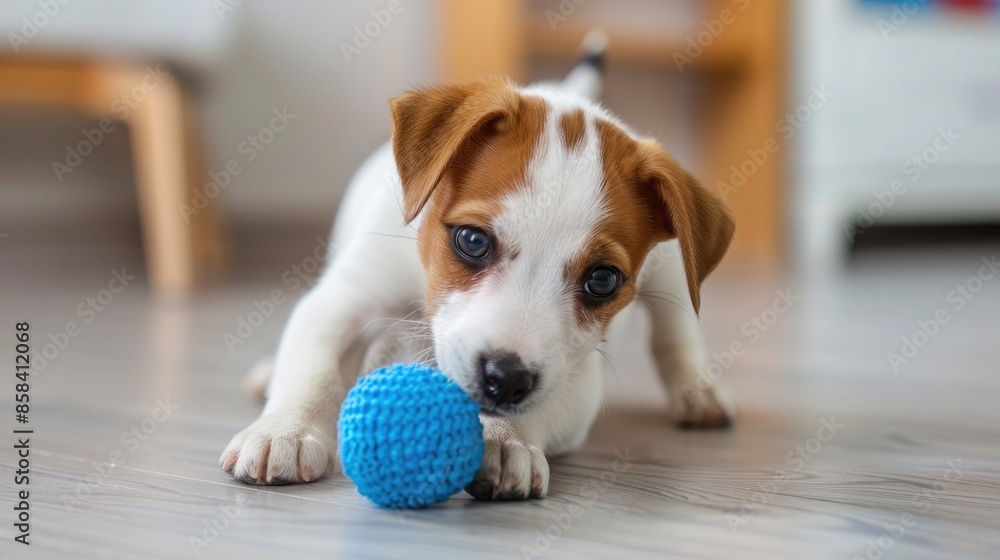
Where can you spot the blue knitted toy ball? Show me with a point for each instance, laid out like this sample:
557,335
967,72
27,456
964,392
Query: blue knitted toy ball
409,436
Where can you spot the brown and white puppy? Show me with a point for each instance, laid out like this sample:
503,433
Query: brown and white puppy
538,217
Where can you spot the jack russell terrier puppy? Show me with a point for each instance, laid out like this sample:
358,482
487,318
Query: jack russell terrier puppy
524,220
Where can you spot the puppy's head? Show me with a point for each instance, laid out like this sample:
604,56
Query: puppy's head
536,212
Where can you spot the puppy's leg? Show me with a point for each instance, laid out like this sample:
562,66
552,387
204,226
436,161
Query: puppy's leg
317,363
514,462
679,346
258,378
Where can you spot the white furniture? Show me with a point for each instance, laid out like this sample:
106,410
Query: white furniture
894,92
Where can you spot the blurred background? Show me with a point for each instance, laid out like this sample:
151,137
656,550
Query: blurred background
829,126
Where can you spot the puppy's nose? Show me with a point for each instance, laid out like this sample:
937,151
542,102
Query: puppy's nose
506,380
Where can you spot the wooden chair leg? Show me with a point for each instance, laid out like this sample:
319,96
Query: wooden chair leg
181,234
208,233
183,243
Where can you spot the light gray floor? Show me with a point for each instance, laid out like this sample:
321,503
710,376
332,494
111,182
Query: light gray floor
914,467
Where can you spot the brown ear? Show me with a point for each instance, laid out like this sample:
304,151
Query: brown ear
430,126
702,223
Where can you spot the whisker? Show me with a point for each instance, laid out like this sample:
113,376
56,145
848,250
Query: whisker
671,299
607,358
386,235
404,319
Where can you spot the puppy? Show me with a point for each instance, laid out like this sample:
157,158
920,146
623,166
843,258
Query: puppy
525,220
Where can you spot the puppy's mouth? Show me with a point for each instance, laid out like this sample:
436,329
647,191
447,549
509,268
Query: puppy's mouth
489,408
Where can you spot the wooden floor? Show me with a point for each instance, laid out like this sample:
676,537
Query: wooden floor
835,454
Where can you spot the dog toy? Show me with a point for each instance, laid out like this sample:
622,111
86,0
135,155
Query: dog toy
409,437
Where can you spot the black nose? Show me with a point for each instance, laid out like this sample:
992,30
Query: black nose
506,380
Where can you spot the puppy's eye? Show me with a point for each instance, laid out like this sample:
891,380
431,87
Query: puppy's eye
472,243
602,282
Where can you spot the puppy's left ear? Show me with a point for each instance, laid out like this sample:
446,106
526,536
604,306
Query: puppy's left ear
430,127
700,221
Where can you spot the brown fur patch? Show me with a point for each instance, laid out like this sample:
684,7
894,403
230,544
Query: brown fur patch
652,199
490,161
571,127
625,236
430,127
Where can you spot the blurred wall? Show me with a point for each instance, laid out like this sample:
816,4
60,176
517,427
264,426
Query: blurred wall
292,55
248,61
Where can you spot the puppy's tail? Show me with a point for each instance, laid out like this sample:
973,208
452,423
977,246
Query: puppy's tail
585,79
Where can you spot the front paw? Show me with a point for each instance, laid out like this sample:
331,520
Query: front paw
694,407
512,470
280,449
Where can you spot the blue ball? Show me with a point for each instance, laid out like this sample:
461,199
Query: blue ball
409,437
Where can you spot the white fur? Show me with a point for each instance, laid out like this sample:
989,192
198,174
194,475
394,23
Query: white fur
526,307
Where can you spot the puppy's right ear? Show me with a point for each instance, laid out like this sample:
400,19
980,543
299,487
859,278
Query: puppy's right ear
430,126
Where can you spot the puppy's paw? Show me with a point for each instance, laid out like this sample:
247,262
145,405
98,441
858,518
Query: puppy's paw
512,470
280,449
692,407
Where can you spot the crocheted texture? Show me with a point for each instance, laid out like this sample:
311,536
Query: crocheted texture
409,437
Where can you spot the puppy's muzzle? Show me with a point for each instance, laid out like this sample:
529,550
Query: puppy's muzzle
505,380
